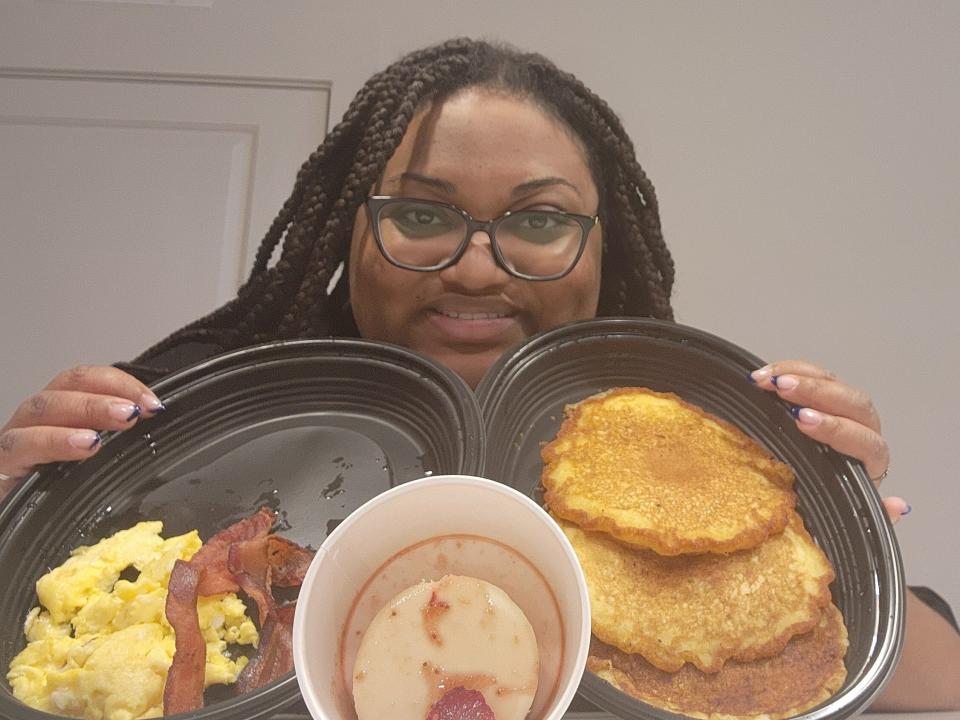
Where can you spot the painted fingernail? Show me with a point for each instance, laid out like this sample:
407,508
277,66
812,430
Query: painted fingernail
760,374
808,416
151,404
125,412
906,511
785,382
84,439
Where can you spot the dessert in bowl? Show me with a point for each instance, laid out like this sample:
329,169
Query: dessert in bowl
433,593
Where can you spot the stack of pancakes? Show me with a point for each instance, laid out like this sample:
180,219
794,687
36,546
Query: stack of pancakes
708,596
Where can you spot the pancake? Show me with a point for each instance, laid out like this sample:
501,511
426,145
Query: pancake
808,671
703,609
658,472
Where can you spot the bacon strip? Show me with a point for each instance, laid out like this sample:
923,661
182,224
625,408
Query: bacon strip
213,557
274,657
288,561
183,690
243,556
247,563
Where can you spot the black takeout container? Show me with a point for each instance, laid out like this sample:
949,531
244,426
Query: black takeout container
314,428
523,397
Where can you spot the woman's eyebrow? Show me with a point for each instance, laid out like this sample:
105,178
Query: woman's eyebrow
447,187
532,185
450,189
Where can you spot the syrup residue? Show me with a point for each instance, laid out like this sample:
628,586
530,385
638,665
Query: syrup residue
432,612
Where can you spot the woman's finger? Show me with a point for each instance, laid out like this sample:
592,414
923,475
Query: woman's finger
897,508
828,396
763,376
846,436
23,448
106,380
73,409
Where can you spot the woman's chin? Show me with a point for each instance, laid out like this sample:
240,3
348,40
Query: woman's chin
471,367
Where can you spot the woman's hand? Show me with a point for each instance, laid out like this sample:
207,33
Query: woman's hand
63,421
832,412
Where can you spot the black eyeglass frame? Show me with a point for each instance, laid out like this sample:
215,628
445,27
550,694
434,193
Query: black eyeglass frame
376,203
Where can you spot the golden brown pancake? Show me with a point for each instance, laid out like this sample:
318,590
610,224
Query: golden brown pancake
703,609
808,671
658,472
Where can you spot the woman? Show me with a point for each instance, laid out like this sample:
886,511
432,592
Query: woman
475,196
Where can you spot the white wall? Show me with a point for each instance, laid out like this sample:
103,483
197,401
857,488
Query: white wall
806,157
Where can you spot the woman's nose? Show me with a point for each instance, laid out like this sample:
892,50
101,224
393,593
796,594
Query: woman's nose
477,270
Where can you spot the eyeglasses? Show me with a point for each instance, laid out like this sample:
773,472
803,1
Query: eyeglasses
425,236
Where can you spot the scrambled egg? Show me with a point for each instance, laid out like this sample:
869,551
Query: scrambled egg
100,647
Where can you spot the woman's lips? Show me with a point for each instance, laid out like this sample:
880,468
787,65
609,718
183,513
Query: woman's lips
471,315
472,326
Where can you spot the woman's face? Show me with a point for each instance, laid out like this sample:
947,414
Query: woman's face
486,153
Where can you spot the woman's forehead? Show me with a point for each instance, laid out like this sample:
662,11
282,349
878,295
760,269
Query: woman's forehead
485,134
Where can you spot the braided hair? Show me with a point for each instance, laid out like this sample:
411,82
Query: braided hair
289,299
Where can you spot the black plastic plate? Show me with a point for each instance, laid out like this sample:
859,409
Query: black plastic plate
523,397
310,428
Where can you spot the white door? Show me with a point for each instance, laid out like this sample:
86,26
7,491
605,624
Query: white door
131,201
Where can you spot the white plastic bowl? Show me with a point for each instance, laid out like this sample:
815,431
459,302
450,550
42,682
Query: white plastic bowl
418,511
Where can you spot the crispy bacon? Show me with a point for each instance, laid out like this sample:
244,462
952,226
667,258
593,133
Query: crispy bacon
461,704
247,563
243,556
288,561
183,690
213,557
274,657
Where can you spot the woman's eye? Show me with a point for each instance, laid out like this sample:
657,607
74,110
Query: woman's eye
422,217
416,221
539,222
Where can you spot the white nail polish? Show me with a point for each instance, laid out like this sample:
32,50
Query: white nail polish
151,404
761,374
124,412
810,417
786,382
84,439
